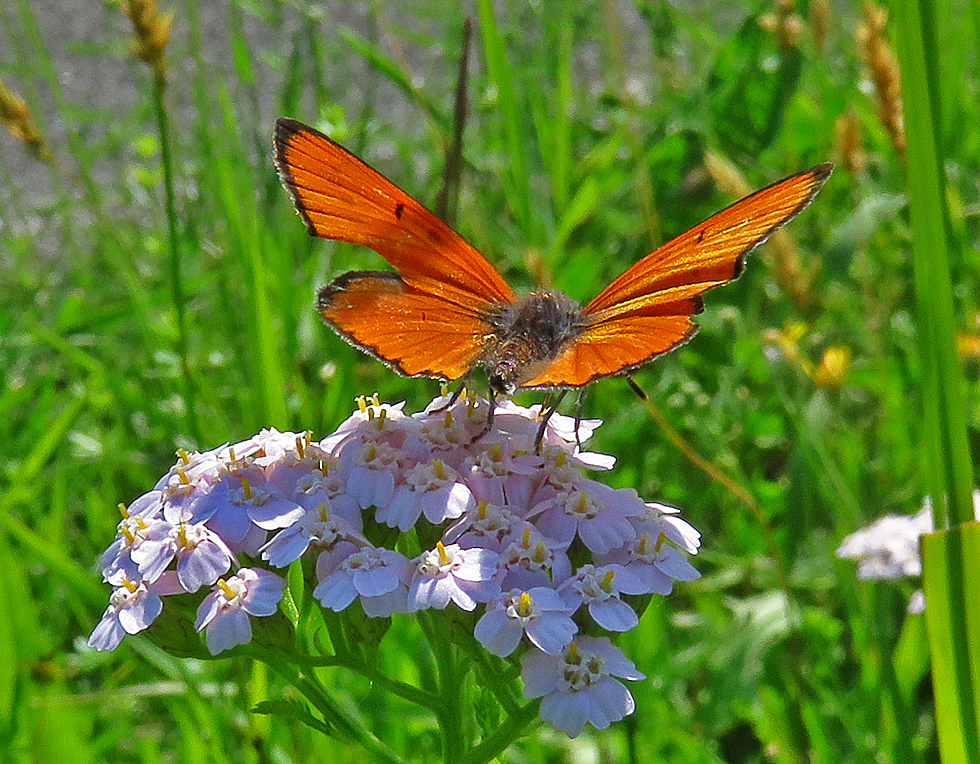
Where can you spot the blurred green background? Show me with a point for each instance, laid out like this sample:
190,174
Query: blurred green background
134,321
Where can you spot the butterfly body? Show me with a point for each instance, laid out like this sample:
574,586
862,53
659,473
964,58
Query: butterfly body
529,334
446,310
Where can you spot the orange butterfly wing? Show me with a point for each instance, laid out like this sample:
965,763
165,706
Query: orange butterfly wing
340,197
647,310
426,319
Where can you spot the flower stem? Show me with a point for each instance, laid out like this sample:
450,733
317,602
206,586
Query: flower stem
173,236
515,726
339,722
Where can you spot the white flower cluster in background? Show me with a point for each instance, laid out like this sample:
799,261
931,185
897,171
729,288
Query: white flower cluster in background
889,547
517,531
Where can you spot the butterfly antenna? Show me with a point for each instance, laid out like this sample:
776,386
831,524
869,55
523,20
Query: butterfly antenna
545,418
636,388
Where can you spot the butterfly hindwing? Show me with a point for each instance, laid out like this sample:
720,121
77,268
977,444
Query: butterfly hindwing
414,332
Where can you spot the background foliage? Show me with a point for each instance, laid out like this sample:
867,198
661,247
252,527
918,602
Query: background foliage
132,324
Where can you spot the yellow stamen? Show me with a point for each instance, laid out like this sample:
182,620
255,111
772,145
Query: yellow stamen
443,557
583,501
608,579
123,510
322,511
226,590
132,586
495,452
182,536
481,510
561,458
660,542
183,456
526,538
361,402
439,467
540,553
246,488
376,400
183,475
300,447
524,606
447,420
231,454
572,654
641,547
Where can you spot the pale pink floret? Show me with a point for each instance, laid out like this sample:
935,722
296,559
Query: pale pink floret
379,577
320,527
431,488
540,613
133,606
598,514
201,554
452,574
654,561
224,613
579,685
600,588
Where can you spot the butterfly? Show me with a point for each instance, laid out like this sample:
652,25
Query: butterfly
446,310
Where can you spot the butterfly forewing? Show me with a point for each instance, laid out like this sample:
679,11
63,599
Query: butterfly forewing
340,197
712,252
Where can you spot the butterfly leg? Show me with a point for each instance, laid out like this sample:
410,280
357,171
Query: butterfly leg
492,402
579,406
544,420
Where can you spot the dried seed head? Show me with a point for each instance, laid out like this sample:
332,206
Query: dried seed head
885,74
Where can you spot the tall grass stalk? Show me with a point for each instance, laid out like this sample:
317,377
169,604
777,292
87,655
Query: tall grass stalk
947,565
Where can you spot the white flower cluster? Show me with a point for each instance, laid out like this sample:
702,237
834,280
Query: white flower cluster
518,530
